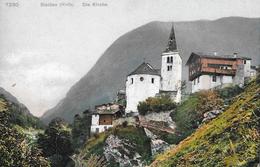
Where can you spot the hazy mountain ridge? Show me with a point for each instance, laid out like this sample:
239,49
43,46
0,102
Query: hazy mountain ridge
100,84
20,114
11,99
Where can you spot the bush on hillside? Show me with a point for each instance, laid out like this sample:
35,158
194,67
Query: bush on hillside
208,100
229,92
156,104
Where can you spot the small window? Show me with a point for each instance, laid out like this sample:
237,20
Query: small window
171,59
244,61
168,59
132,80
214,78
141,78
198,79
169,68
152,80
104,120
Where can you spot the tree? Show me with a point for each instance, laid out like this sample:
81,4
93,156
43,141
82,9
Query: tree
81,129
56,142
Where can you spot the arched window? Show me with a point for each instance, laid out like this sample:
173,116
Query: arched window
168,59
152,80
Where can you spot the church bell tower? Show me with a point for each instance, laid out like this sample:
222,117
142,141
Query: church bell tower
171,67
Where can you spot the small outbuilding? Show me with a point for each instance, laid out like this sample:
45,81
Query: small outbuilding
103,116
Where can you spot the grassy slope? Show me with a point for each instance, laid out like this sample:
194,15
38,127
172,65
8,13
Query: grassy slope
231,139
184,111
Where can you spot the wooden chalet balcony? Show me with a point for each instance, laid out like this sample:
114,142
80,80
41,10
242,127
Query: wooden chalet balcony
218,71
212,71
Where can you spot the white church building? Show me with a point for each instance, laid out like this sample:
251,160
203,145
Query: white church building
146,81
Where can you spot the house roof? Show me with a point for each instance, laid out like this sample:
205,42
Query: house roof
211,56
107,108
145,68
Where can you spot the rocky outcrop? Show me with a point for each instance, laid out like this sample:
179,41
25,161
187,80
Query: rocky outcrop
211,115
122,152
161,122
159,117
157,145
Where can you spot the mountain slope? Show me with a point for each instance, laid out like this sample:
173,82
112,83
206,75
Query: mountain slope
11,99
20,113
232,139
101,83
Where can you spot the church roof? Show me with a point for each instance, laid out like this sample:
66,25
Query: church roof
171,46
145,68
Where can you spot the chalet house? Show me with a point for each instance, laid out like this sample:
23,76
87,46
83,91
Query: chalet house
102,118
209,71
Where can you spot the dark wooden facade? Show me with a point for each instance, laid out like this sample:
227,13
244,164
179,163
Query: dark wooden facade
106,119
213,65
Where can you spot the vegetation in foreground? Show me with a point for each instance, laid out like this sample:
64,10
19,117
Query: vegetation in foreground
56,143
15,149
232,139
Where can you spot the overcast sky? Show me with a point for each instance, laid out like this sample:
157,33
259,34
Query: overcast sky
45,50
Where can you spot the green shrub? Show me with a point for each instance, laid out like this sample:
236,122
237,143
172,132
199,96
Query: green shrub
143,108
156,104
229,92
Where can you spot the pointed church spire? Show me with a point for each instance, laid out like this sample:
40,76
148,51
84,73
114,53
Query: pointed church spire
172,46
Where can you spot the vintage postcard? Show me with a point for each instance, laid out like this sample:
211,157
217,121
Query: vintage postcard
129,83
